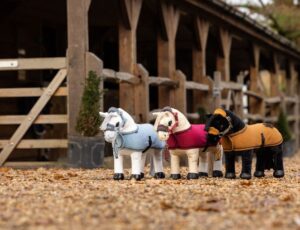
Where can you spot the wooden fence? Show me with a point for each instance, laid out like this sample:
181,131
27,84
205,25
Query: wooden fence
34,116
215,92
226,94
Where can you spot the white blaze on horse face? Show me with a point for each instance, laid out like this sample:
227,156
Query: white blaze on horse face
168,121
110,135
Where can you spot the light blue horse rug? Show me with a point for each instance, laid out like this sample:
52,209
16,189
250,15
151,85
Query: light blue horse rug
143,138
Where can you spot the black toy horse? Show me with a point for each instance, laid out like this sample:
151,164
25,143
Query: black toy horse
241,139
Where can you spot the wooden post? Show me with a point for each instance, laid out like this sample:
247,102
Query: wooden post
127,50
256,106
78,45
223,64
199,64
180,91
142,94
239,97
293,86
217,91
166,52
293,79
275,76
275,86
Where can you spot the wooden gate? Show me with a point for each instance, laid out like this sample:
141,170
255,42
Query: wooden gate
33,117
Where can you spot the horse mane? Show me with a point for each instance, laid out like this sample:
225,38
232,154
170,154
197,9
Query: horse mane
130,124
183,122
237,123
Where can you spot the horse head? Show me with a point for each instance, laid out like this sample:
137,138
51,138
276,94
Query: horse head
217,125
116,121
169,120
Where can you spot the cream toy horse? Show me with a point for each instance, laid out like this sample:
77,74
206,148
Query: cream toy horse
184,138
136,140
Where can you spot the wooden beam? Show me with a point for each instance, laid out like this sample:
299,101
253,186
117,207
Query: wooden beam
128,52
196,86
162,81
142,94
231,85
166,61
293,78
32,63
200,99
217,90
33,114
41,119
120,77
78,45
37,143
199,59
180,92
30,92
223,64
256,106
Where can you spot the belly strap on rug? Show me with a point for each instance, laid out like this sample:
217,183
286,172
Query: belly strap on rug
149,146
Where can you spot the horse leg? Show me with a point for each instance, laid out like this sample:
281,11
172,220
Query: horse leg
216,155
260,163
193,157
136,165
118,168
158,164
203,165
246,164
143,161
229,165
175,169
278,162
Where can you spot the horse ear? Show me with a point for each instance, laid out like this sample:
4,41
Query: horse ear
103,114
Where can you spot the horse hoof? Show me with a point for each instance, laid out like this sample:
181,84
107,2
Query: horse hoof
230,175
278,173
246,176
142,175
192,176
159,175
259,174
118,176
136,176
202,174
217,173
175,176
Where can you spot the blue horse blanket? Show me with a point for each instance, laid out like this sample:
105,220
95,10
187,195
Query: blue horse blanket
142,138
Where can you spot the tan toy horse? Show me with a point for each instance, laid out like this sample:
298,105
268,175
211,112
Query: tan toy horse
183,138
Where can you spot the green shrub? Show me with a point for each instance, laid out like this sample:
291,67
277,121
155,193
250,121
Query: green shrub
283,126
88,120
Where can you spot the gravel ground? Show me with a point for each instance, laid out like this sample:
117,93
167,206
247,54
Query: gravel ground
90,199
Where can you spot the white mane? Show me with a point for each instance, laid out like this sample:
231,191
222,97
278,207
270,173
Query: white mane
129,125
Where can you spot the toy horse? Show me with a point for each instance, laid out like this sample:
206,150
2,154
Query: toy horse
129,138
239,138
182,137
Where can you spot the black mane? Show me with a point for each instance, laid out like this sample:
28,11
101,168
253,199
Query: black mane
237,123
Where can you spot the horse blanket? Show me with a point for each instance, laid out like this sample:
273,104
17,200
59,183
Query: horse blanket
193,137
141,139
251,137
